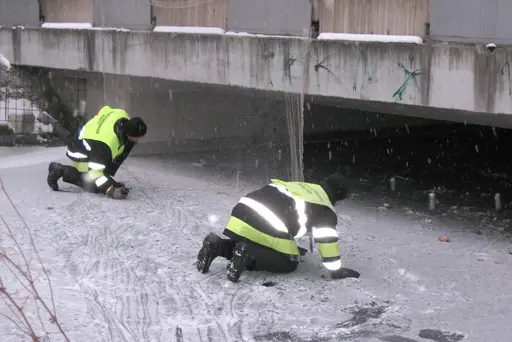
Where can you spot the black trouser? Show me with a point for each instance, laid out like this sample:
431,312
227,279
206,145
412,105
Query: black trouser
71,175
261,258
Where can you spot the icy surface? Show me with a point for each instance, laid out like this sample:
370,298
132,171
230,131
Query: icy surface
124,270
76,26
370,38
189,29
4,63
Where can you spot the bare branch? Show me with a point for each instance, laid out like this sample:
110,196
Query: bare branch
6,260
27,275
11,235
20,328
24,318
29,231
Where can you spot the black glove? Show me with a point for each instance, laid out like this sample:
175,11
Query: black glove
343,273
302,251
118,184
118,193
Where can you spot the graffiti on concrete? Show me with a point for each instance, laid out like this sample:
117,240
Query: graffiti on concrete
409,76
362,63
505,71
322,66
268,57
287,70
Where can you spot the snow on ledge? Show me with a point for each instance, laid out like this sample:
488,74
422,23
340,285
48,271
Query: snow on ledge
231,33
4,63
110,29
370,38
259,35
76,26
189,29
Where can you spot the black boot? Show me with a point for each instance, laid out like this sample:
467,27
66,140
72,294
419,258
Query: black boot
213,246
55,172
238,262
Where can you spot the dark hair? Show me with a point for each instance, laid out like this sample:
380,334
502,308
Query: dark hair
335,186
135,127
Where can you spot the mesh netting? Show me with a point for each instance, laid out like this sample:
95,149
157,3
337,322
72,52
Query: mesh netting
241,133
244,133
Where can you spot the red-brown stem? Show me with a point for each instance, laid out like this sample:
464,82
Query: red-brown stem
15,323
28,274
29,231
4,292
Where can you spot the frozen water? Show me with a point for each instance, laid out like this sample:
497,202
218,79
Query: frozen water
189,29
370,38
124,270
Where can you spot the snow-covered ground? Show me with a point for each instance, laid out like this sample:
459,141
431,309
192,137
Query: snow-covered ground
124,270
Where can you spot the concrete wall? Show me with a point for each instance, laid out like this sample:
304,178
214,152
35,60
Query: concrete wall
19,12
129,14
454,77
472,20
212,13
67,11
396,17
279,17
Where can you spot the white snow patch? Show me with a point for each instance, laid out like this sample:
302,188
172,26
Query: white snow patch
75,26
111,29
246,34
4,63
212,218
370,38
231,33
189,29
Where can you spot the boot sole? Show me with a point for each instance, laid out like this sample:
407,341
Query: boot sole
205,251
236,267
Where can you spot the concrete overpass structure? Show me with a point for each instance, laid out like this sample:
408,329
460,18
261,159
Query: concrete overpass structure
462,78
160,75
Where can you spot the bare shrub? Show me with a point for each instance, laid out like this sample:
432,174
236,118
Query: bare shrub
23,270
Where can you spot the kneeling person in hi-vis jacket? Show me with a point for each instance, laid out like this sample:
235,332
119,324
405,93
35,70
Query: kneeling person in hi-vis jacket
97,152
264,224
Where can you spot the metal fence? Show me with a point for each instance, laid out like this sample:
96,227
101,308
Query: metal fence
30,105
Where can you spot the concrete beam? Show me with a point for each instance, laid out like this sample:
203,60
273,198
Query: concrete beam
457,77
